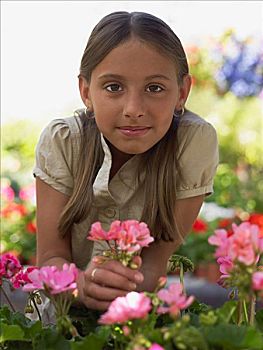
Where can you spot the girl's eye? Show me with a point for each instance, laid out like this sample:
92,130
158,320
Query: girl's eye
154,88
113,87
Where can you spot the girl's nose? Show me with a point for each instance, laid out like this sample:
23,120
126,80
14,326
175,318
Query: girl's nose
134,106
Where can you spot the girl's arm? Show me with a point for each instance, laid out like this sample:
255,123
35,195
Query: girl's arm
51,248
155,258
111,279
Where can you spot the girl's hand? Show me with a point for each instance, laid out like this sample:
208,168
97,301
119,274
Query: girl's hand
100,284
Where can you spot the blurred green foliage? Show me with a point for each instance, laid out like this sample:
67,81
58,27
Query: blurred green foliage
239,126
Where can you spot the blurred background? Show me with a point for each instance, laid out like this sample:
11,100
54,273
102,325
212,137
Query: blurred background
41,46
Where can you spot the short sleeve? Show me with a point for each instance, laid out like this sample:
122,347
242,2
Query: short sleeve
197,158
56,154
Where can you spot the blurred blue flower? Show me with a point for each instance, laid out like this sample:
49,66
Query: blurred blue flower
241,68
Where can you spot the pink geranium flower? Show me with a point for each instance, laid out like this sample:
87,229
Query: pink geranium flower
9,266
129,236
97,233
257,281
245,244
122,309
35,281
174,299
226,265
220,239
52,279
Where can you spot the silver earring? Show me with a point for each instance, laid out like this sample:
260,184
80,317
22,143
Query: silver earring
180,113
89,114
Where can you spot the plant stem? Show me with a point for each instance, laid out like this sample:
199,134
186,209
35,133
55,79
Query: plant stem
7,298
245,311
239,312
252,305
182,275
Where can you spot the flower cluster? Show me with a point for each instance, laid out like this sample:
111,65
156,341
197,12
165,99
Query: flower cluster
18,221
9,266
175,300
124,239
238,253
137,312
241,66
59,285
122,309
53,280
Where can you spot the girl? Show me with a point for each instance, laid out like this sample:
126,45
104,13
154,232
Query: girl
133,153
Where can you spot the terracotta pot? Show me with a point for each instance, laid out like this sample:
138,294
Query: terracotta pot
208,271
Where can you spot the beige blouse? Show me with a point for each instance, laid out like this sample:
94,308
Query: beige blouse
122,197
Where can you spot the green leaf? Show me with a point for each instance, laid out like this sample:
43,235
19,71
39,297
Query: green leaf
253,339
228,312
91,341
232,337
259,319
49,339
11,332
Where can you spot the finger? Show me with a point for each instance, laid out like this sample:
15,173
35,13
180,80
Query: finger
110,279
115,266
102,293
95,304
137,260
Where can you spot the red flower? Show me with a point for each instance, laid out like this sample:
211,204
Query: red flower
31,227
13,208
257,219
224,223
199,226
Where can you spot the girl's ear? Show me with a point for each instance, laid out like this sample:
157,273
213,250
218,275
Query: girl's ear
85,93
184,90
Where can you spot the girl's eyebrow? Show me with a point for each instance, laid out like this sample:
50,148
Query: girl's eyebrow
120,77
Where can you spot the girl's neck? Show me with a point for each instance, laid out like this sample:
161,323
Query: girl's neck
118,159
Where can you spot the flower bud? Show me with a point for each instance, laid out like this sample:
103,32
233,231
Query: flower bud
126,330
133,266
38,299
232,294
29,309
161,282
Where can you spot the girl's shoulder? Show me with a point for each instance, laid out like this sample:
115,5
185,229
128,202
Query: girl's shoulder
192,124
191,119
68,127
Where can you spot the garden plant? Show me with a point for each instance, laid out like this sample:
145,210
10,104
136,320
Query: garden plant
164,319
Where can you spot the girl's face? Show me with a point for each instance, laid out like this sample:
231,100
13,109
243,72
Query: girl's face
133,93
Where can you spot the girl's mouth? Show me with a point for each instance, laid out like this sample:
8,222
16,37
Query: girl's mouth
134,130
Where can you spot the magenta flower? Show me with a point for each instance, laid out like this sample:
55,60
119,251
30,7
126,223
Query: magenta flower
156,346
7,193
257,281
21,278
28,193
9,266
174,299
132,306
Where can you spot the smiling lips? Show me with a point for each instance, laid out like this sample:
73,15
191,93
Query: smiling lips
134,130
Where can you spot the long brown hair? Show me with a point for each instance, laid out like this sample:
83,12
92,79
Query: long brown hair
158,162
